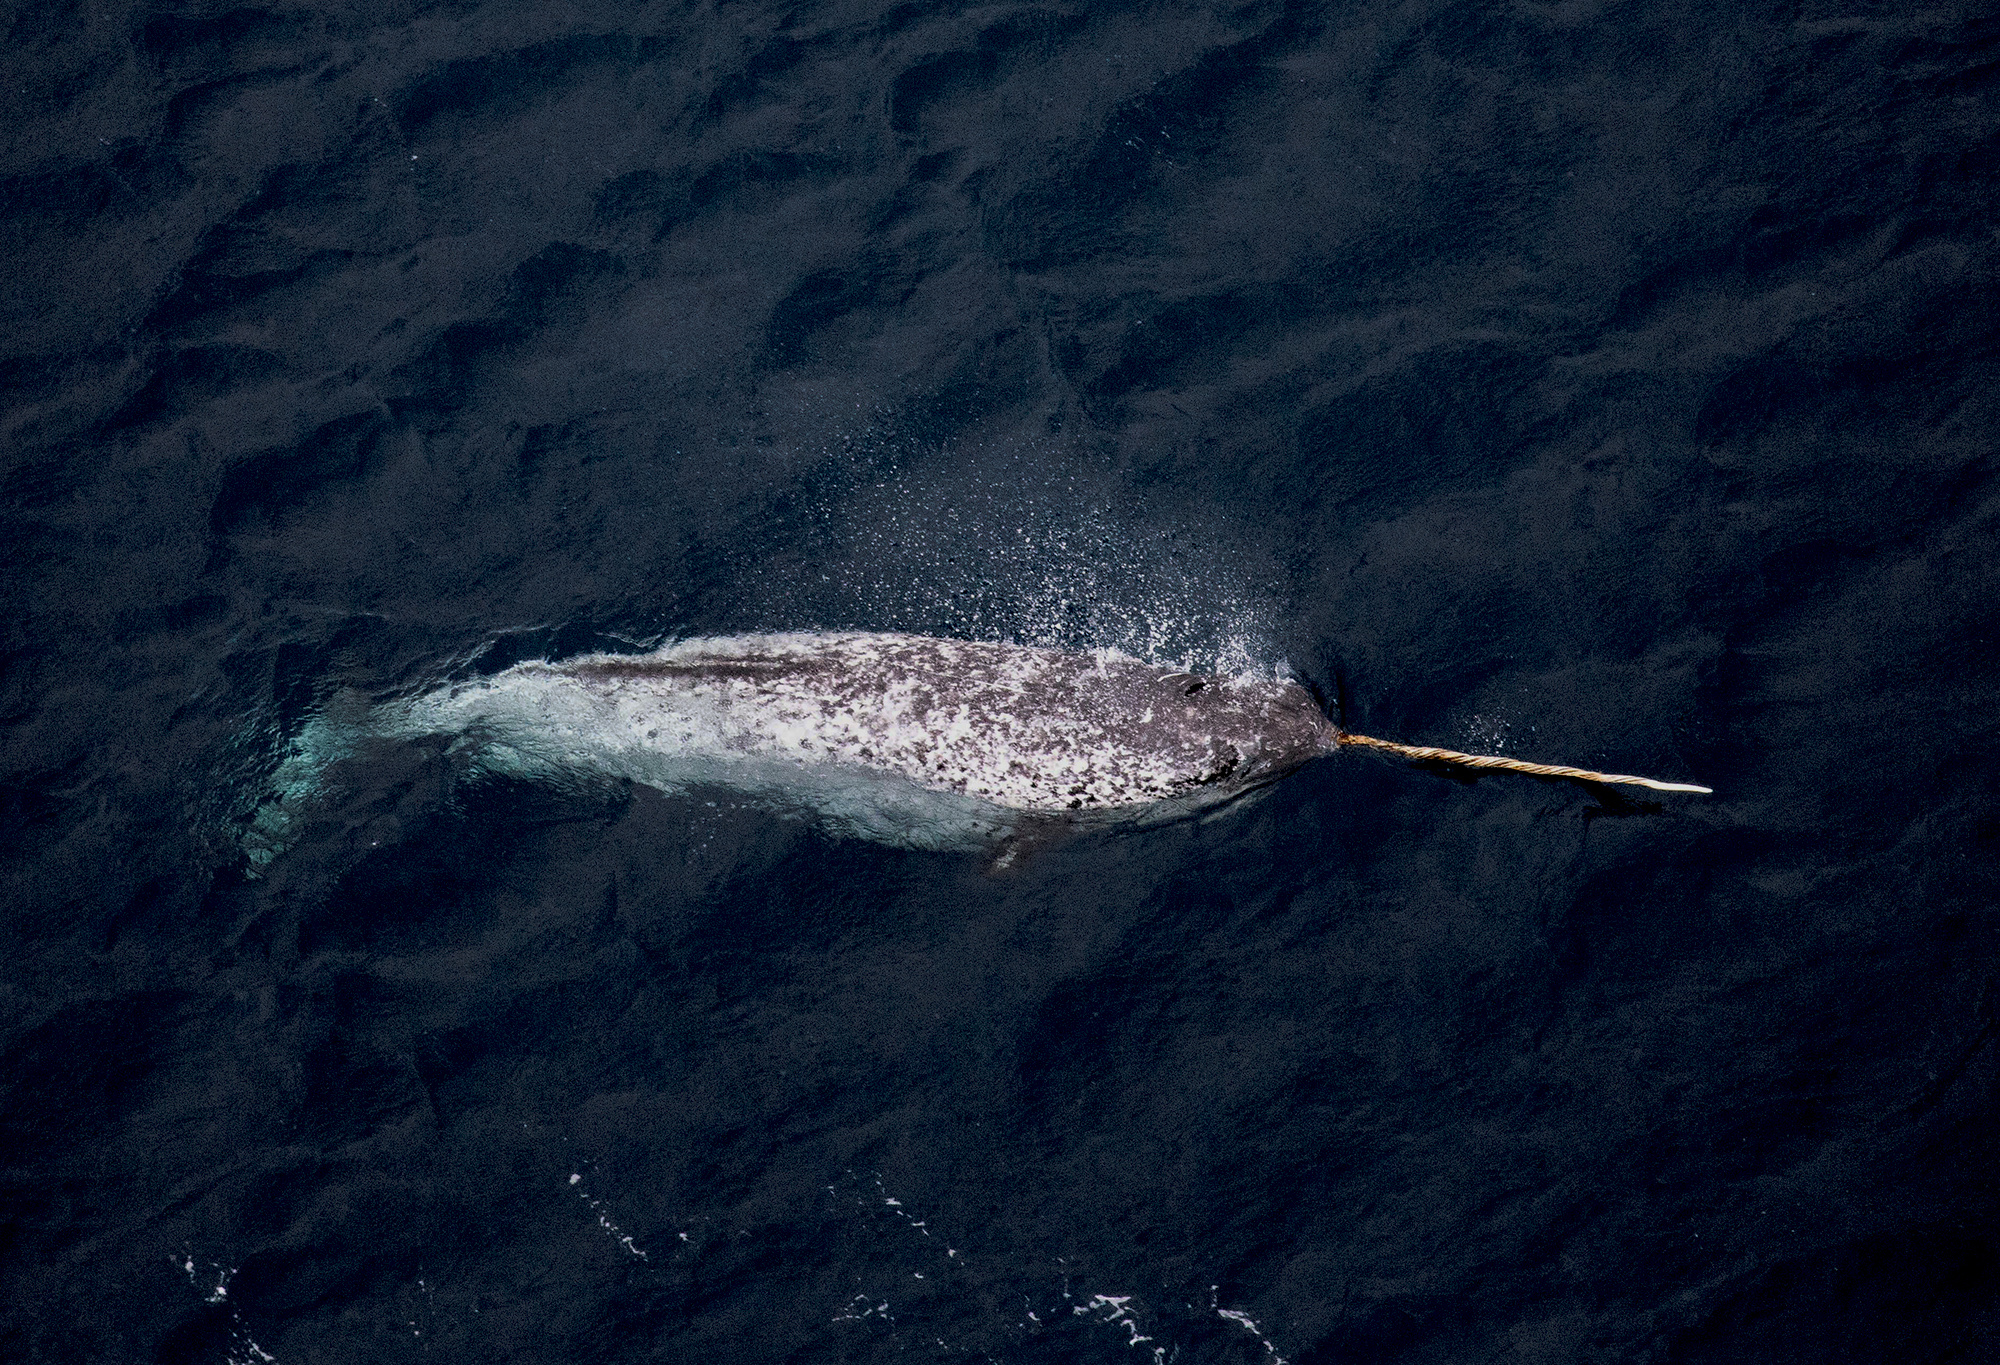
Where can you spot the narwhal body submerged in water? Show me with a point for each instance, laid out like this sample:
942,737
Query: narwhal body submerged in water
903,739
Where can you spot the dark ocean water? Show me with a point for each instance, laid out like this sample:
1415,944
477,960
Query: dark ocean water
1611,384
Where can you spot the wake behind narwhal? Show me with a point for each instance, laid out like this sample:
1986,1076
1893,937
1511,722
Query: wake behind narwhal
903,739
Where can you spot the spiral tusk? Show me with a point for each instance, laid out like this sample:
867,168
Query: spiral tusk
1513,765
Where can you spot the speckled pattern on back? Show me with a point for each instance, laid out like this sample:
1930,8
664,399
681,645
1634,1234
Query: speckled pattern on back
1023,728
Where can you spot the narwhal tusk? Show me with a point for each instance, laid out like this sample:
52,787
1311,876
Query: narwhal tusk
1513,765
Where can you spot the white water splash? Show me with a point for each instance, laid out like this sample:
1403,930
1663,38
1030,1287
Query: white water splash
1026,543
611,1229
243,1348
1246,1322
1117,1309
1122,1314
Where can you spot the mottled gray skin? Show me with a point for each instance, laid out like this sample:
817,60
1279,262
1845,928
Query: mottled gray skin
1026,729
902,739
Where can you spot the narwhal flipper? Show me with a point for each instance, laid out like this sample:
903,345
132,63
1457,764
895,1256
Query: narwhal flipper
299,781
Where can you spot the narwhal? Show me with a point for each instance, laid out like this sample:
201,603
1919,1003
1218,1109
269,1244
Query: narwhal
903,739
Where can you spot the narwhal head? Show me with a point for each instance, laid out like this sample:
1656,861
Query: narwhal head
1248,732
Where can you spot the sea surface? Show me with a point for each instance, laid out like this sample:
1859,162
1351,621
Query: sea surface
1610,384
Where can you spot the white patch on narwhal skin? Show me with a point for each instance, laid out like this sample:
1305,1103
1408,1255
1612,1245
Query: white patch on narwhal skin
909,739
